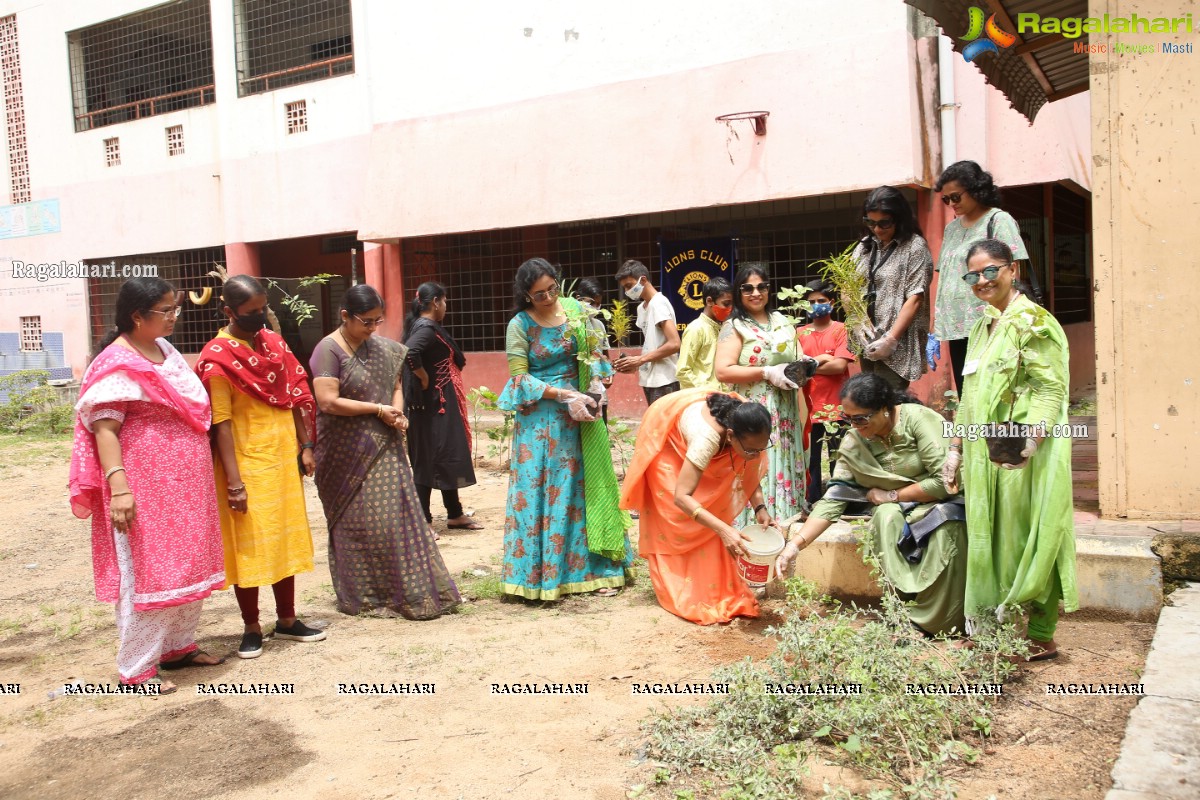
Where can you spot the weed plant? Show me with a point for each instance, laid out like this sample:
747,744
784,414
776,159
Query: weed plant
758,744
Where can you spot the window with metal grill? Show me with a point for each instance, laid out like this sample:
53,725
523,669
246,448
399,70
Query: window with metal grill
175,140
297,116
139,65
187,271
478,268
112,152
286,42
31,334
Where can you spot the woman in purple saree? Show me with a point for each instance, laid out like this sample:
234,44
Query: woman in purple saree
382,554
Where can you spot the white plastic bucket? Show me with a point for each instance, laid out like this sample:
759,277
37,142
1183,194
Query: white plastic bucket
758,568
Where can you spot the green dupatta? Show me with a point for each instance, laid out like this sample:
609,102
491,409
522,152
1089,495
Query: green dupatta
606,522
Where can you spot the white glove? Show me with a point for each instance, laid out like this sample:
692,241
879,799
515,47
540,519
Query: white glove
1030,448
578,404
774,375
784,561
881,349
950,470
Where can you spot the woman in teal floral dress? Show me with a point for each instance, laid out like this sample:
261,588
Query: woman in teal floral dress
557,540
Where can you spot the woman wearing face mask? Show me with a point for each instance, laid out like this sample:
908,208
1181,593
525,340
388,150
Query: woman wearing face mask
263,416
895,260
141,468
754,347
892,458
973,196
1020,516
825,340
382,553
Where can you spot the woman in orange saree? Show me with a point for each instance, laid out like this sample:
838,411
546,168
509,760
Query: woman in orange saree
697,452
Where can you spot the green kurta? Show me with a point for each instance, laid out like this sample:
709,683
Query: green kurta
914,453
1021,522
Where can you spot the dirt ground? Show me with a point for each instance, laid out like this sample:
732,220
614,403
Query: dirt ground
461,742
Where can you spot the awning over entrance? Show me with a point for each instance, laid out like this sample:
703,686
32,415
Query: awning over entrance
1035,69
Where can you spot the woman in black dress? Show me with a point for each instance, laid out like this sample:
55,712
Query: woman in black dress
439,440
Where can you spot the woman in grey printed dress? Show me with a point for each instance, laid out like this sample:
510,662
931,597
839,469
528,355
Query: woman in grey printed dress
896,262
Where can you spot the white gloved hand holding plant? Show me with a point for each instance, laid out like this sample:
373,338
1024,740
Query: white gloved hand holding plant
774,375
882,348
578,404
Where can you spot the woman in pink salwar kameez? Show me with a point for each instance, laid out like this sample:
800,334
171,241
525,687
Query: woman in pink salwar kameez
142,470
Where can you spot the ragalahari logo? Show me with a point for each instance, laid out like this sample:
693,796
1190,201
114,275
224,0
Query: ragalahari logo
997,38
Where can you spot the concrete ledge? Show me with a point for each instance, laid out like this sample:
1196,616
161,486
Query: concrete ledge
1115,573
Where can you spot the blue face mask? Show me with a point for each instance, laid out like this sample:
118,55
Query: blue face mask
821,310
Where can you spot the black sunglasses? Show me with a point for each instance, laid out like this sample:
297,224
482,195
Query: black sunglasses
989,273
952,198
751,288
858,420
882,224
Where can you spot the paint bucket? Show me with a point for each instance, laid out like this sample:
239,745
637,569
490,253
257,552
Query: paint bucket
758,568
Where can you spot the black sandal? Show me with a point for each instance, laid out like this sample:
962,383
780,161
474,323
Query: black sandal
188,661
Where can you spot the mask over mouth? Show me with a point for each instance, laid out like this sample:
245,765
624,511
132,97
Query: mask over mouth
251,323
721,313
821,310
635,292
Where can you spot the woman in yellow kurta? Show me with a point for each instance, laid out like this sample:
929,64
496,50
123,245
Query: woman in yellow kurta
698,459
262,412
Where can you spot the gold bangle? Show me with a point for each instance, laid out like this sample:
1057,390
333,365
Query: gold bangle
696,513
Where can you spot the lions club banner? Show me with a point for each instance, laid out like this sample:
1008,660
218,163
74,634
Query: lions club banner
688,265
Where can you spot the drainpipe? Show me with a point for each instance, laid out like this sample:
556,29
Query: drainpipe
946,104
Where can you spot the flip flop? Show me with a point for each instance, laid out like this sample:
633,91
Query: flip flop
188,661
1043,655
470,526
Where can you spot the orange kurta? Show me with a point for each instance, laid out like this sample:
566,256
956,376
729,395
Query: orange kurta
693,574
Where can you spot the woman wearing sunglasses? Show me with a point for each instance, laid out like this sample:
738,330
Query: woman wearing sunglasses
1020,516
892,458
975,200
558,540
896,262
698,460
754,346
382,553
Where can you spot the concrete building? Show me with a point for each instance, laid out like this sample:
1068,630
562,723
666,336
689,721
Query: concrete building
453,142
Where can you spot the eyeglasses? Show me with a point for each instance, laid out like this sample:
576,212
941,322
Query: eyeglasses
882,224
952,198
755,288
370,323
541,297
858,420
170,313
747,452
988,273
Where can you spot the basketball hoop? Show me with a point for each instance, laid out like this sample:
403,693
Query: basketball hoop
759,119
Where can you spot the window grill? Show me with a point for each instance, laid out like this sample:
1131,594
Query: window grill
14,110
478,268
31,334
297,116
187,271
175,140
112,152
286,42
152,62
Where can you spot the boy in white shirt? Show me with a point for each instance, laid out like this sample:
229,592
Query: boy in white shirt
660,345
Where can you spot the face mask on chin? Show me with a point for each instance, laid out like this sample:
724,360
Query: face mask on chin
721,313
634,292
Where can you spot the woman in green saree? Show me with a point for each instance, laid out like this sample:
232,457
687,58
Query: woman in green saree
1020,516
893,458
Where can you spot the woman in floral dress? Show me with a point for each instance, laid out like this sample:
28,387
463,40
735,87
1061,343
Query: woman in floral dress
754,347
557,539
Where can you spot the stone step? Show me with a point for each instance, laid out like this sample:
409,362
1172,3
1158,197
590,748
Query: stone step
1116,573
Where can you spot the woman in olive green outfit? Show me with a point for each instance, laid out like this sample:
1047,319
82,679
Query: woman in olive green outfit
893,459
1020,516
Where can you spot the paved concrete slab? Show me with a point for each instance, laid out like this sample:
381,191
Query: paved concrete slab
1160,756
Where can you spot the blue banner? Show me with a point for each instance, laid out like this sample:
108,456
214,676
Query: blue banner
688,265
